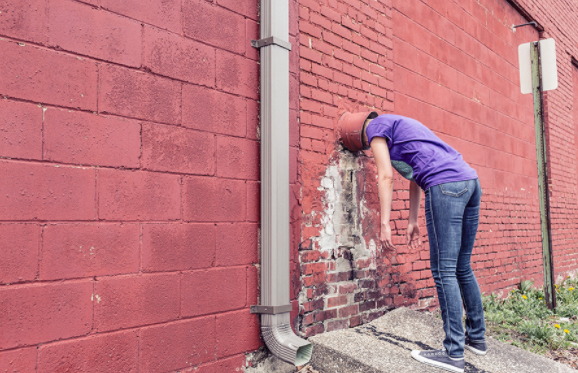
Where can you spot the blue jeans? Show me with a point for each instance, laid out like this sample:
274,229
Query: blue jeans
452,213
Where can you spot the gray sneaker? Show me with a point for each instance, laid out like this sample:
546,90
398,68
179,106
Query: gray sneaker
440,359
477,347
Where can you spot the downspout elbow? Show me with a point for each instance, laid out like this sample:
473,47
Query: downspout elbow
287,346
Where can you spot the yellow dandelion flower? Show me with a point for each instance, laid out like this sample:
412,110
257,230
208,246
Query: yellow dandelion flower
540,298
557,326
570,289
525,297
566,331
556,286
568,277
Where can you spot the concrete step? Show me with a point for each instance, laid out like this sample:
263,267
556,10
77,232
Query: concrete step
384,345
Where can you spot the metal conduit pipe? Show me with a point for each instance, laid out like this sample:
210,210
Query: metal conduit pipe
275,305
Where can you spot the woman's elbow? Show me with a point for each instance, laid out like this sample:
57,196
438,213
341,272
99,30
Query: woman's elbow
385,179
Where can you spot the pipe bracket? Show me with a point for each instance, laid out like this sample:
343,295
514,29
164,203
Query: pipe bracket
270,41
272,310
533,23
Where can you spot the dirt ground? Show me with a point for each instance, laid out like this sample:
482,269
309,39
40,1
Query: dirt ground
568,357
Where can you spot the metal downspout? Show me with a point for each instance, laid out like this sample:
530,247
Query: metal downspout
275,291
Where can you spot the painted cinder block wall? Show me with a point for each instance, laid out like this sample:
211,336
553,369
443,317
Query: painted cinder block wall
452,64
129,184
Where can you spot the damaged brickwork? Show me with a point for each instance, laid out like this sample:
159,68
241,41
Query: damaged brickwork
346,280
345,64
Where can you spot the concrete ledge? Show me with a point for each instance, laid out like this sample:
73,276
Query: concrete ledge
384,345
329,360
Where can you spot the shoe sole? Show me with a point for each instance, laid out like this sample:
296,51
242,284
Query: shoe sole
476,351
421,359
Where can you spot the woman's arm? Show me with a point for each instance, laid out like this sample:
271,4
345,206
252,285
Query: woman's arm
414,200
385,186
413,236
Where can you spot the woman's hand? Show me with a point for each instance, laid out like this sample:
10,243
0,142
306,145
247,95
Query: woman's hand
386,236
413,236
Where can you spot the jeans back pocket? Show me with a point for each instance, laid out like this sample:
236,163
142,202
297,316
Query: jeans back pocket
454,189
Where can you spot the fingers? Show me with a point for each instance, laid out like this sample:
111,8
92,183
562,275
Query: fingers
413,242
388,244
386,237
413,237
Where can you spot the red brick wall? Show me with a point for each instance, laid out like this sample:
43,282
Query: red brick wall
129,184
575,113
453,65
456,69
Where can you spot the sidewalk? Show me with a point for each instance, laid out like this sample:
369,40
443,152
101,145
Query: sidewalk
384,345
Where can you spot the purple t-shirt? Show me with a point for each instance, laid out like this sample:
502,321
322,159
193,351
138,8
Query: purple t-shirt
417,153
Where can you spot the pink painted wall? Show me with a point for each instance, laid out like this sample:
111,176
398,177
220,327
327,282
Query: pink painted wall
129,185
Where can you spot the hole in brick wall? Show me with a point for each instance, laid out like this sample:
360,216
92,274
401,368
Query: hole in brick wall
342,252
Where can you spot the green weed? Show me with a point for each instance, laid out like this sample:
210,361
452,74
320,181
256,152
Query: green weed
524,320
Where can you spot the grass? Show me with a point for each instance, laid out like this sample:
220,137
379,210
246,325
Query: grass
524,320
